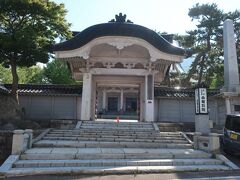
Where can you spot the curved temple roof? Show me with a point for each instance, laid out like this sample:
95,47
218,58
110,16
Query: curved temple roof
120,28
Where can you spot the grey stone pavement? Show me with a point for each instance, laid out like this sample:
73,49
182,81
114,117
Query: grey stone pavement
164,176
234,159
231,175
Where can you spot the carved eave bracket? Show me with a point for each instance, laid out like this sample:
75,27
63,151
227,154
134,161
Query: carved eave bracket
153,55
153,58
84,54
120,45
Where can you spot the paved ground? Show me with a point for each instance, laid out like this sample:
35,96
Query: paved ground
163,176
234,159
134,177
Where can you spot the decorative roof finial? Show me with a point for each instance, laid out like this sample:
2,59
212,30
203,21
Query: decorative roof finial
120,19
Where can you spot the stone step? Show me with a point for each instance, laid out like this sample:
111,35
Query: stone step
77,131
115,139
117,126
111,148
131,133
110,132
115,123
100,144
114,131
149,128
115,162
111,153
119,129
114,136
112,170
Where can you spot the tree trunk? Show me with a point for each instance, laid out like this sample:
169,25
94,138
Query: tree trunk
192,70
201,69
167,77
15,80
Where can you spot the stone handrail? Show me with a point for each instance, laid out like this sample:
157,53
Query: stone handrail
22,140
209,142
40,136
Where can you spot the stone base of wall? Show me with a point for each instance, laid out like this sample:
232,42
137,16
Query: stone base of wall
48,123
63,124
173,127
9,110
5,145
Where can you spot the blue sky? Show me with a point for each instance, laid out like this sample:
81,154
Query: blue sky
161,15
169,16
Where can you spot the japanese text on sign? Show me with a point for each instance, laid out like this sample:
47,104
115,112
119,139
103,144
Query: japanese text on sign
203,100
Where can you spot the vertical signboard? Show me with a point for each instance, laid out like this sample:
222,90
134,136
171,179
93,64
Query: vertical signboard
196,101
203,109
201,105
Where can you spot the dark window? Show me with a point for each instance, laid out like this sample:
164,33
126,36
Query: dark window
131,104
233,123
237,108
113,104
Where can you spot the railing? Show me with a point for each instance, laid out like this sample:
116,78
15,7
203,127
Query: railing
22,140
209,142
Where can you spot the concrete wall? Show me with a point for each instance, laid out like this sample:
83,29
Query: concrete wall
165,109
221,108
175,110
183,110
234,101
169,110
221,111
51,107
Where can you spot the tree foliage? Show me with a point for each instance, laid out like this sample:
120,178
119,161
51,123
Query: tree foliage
57,72
206,42
27,30
33,75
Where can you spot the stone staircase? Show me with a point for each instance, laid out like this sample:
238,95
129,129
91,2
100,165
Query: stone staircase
110,148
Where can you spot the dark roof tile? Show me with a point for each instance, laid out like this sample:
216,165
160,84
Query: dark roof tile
76,90
121,29
3,90
47,90
180,93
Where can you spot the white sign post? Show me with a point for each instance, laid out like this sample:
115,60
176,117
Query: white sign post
201,104
201,110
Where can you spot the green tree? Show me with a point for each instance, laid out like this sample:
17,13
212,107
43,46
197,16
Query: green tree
5,75
57,72
206,42
217,80
27,30
32,74
174,76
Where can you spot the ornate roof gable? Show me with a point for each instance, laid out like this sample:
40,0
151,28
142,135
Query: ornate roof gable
120,19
